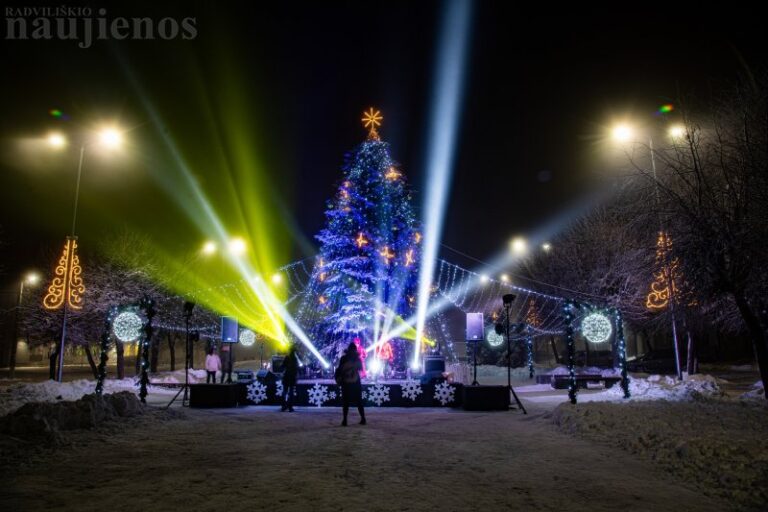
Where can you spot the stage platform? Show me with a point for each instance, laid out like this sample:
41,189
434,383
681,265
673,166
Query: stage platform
326,393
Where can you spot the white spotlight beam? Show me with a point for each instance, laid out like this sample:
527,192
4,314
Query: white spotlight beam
444,122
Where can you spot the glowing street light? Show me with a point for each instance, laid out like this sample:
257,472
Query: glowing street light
68,293
622,133
209,248
56,140
484,278
237,246
676,131
504,278
546,247
30,279
110,138
518,246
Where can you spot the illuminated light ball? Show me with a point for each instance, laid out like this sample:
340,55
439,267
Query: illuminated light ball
596,327
277,278
494,339
247,337
127,326
483,278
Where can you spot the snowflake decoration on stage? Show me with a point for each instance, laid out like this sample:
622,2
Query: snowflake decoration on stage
444,393
257,392
332,395
318,394
378,394
411,389
279,388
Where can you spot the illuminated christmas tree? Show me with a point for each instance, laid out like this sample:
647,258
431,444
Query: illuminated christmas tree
365,276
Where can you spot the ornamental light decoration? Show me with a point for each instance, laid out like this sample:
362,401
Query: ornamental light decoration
67,287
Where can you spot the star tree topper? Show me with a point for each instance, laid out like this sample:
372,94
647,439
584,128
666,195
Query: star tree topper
371,120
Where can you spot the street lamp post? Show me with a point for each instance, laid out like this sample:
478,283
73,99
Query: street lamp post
623,133
67,287
31,279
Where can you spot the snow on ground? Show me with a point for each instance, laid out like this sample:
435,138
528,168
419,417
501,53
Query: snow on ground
403,460
14,396
721,446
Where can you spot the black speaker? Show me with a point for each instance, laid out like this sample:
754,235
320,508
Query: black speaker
434,364
475,327
277,364
229,329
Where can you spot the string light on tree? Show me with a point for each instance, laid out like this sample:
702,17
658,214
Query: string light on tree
361,241
409,258
392,174
387,254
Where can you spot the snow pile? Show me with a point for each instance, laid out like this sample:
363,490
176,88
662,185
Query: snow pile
41,418
15,396
663,387
720,446
177,377
757,392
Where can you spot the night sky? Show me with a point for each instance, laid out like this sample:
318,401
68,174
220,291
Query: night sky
540,88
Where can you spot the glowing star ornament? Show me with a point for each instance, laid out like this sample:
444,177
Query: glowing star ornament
247,337
392,174
409,258
388,254
596,327
371,120
127,326
66,288
360,240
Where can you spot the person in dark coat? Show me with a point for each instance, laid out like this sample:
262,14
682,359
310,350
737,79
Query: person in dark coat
290,373
348,377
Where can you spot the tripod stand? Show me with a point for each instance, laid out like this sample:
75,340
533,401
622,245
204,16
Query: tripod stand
474,364
188,307
507,299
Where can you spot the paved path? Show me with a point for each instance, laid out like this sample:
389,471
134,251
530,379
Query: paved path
426,459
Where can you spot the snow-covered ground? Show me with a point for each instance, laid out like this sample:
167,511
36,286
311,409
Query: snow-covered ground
674,446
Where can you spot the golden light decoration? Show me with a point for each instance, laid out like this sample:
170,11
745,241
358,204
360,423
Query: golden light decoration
371,120
322,300
360,240
658,297
387,253
409,258
417,237
67,286
392,174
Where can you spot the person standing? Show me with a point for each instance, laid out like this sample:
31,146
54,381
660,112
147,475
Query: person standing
290,373
348,377
212,365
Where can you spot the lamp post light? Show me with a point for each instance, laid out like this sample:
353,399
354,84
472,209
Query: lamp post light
624,133
30,279
66,289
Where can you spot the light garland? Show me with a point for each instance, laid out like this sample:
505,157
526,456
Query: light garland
67,285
